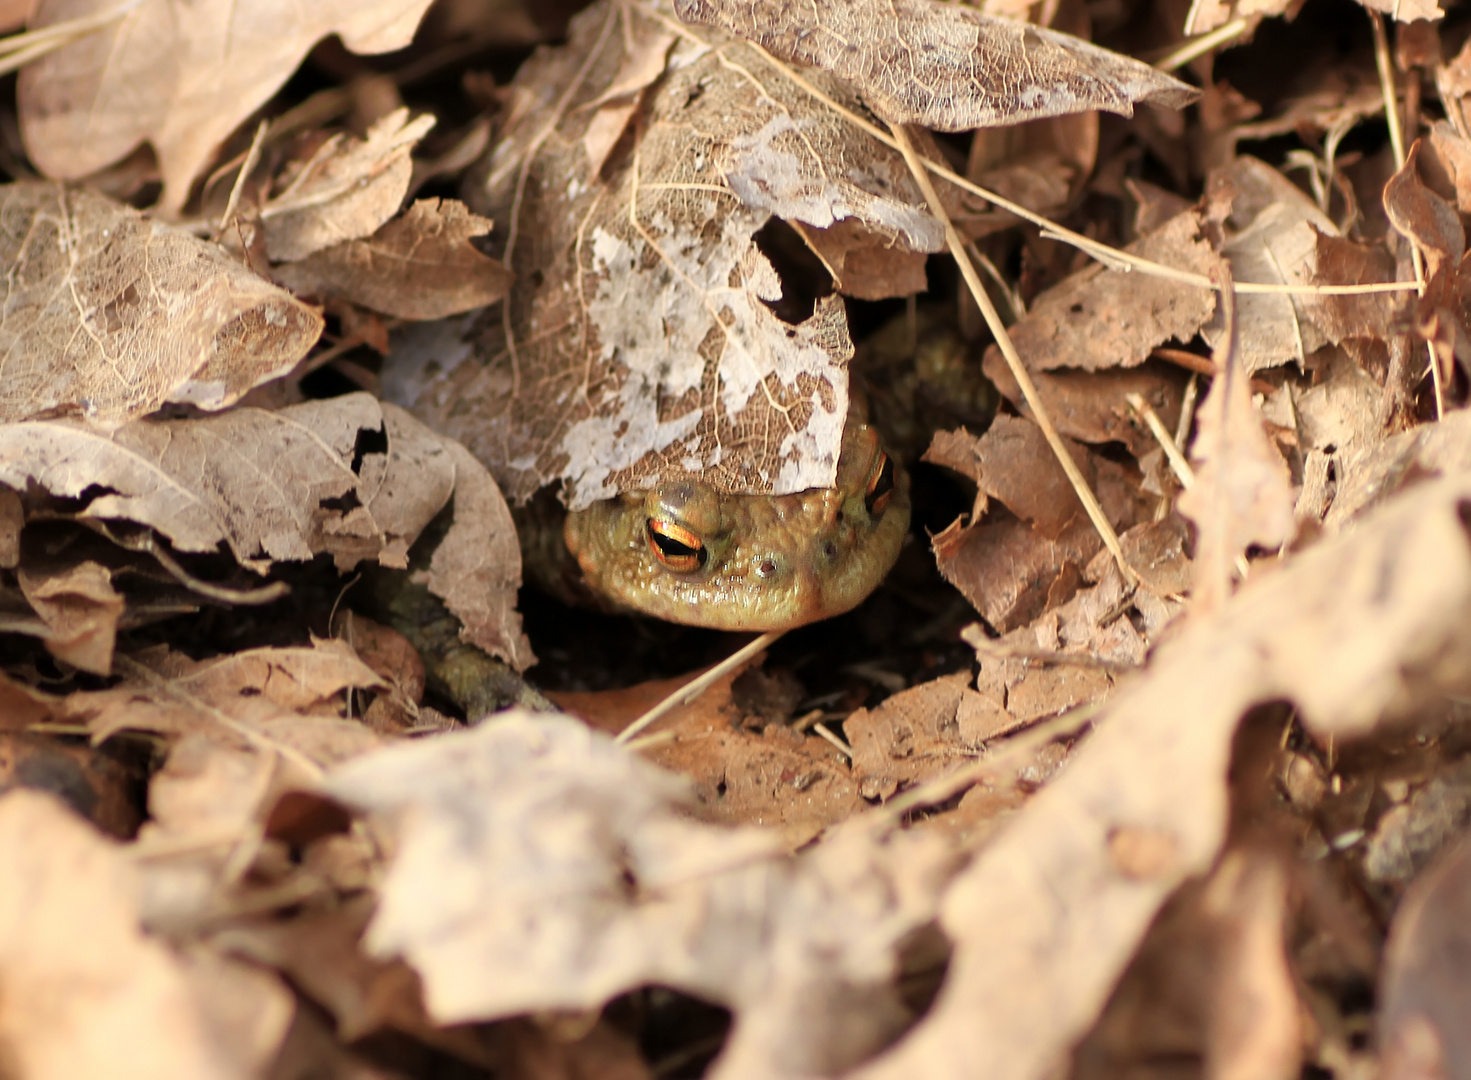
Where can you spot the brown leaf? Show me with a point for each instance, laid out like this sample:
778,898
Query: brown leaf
774,776
921,733
85,988
1093,406
640,340
179,78
93,782
80,609
1102,318
1043,921
110,315
348,190
1423,216
1423,999
941,66
256,481
1376,472
417,266
1006,569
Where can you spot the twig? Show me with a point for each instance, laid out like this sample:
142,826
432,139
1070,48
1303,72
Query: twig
695,687
1013,359
843,748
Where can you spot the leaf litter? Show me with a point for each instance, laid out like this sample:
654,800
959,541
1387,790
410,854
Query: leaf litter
1038,807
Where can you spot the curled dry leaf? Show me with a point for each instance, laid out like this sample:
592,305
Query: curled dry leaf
347,190
84,986
179,77
476,569
418,266
1356,633
539,866
1243,491
110,315
80,609
944,66
643,336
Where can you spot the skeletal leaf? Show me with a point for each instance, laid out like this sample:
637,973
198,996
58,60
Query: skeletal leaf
109,315
648,335
179,76
943,66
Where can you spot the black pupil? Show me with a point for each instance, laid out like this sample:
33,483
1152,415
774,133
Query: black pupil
882,484
673,549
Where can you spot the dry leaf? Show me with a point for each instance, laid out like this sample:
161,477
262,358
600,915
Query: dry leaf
263,483
1355,632
1243,492
642,338
80,609
348,190
110,315
179,77
418,266
1276,236
476,569
87,994
746,772
1102,318
538,866
1422,999
942,66
920,733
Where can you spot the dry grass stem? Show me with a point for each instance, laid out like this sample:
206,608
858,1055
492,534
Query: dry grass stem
693,689
1014,360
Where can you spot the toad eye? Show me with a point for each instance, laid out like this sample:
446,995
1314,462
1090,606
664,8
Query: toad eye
675,546
880,485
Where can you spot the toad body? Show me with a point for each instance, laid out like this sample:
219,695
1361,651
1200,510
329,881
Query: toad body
686,552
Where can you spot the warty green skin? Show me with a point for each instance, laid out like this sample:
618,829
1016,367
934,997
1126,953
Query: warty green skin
773,562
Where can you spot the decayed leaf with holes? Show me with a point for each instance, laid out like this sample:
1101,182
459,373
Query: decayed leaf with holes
647,334
347,190
109,315
254,480
944,66
417,266
350,475
179,77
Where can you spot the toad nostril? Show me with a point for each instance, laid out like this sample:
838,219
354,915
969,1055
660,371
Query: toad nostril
767,568
830,550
